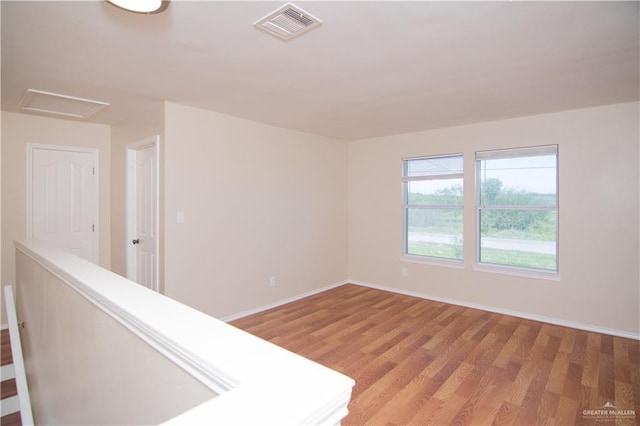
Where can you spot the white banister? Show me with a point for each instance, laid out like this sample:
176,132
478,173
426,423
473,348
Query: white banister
18,361
219,374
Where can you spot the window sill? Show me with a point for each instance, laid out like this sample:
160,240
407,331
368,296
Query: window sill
518,272
451,263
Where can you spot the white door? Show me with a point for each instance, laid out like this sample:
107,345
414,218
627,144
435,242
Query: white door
63,198
143,213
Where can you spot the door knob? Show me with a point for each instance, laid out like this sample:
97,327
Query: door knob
136,241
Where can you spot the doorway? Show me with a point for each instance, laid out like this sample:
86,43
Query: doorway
62,198
142,212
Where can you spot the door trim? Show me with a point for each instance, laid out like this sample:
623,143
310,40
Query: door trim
131,149
31,148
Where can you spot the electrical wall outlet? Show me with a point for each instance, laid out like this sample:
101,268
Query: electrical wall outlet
404,272
272,281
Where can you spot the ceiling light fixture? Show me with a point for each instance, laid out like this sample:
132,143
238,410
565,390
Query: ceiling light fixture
141,6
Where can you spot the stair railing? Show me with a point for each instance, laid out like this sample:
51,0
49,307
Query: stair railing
18,360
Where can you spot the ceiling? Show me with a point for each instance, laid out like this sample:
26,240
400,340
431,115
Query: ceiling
371,68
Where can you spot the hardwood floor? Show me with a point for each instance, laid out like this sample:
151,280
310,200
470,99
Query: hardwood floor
421,362
5,348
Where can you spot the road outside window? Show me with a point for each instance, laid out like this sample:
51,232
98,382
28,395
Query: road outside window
433,202
517,208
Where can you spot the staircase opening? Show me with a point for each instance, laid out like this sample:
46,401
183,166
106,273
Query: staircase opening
9,405
15,408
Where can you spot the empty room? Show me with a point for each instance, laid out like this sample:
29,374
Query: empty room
320,212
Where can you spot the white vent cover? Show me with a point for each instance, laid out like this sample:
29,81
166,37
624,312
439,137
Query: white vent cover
54,103
287,22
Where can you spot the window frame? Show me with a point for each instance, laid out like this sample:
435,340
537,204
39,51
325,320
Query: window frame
507,153
406,206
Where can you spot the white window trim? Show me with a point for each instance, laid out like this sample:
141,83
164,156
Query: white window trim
414,258
512,269
531,151
433,260
518,271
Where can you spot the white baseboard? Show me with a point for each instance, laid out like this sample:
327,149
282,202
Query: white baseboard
540,318
525,315
281,302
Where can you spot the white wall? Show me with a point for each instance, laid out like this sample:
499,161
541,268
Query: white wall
258,201
3,314
83,365
262,201
100,349
18,130
599,233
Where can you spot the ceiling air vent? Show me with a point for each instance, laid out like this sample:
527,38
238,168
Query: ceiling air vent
287,22
54,103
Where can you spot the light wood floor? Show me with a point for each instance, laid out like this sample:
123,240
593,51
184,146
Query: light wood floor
427,363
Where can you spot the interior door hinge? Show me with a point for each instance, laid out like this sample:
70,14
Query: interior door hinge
93,228
93,171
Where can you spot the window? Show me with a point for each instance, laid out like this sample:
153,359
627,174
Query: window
517,207
432,190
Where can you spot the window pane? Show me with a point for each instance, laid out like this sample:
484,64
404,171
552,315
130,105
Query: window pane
519,238
434,232
521,181
443,192
434,166
432,183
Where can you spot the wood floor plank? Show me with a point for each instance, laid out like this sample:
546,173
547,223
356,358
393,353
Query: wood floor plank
12,419
572,386
606,378
5,348
530,408
547,408
591,361
558,373
507,414
446,413
406,402
526,375
568,340
8,388
484,373
566,412
489,402
418,362
507,353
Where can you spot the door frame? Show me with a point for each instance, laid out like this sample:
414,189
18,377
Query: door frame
31,148
131,205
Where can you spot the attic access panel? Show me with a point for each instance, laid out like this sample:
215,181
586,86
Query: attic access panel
57,104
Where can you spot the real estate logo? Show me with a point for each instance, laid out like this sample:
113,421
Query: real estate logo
609,413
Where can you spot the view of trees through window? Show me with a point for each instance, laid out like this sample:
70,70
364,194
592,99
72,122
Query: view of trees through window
517,211
436,232
434,216
517,208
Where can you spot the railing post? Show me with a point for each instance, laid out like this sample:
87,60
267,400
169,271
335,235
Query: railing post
18,360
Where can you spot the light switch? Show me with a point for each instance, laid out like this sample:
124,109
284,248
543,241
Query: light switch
180,217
